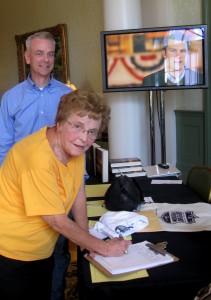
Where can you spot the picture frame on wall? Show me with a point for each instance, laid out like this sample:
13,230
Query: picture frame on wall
61,66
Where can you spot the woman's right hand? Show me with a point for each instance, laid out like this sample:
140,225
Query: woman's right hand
116,247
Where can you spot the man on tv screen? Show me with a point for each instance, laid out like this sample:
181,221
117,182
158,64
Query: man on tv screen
176,71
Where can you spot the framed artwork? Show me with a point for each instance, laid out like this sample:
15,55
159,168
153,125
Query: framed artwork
61,67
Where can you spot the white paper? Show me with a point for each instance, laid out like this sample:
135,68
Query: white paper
166,181
139,257
148,204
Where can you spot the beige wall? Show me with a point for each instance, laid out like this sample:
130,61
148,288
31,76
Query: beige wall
84,19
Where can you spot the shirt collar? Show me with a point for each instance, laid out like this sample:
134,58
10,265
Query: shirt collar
32,84
176,80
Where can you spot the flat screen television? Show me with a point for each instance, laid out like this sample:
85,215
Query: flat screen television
160,58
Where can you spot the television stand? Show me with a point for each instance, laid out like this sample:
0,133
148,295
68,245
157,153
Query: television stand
163,166
161,108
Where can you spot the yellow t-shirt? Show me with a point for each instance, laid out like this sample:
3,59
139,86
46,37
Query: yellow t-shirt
33,182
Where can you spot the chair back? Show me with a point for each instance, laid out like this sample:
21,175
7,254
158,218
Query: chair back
199,181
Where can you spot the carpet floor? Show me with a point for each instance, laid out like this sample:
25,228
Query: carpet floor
71,292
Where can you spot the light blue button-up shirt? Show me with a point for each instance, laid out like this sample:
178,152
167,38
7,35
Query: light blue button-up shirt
25,108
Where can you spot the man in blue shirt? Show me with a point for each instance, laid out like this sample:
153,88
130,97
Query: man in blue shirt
33,103
26,108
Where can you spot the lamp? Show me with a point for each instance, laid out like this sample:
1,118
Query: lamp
72,86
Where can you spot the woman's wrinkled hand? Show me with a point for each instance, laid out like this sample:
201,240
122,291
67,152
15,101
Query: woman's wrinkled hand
116,247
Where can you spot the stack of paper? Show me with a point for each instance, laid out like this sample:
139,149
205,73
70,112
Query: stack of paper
139,257
130,167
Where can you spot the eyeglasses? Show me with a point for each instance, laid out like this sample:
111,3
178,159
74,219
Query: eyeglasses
78,129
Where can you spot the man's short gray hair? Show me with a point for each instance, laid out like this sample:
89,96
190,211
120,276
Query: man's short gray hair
41,35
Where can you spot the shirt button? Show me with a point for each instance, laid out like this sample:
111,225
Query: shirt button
41,112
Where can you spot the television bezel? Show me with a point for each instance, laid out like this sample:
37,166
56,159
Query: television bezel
107,89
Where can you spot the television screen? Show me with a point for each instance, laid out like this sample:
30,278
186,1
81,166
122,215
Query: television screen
155,58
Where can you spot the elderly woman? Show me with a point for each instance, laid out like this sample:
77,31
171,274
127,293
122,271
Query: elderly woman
41,179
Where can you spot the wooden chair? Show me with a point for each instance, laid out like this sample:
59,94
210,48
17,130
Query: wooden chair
199,181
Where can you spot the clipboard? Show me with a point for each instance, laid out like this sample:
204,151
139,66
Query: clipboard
137,255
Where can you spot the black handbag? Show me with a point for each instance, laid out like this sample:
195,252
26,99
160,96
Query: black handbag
124,193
